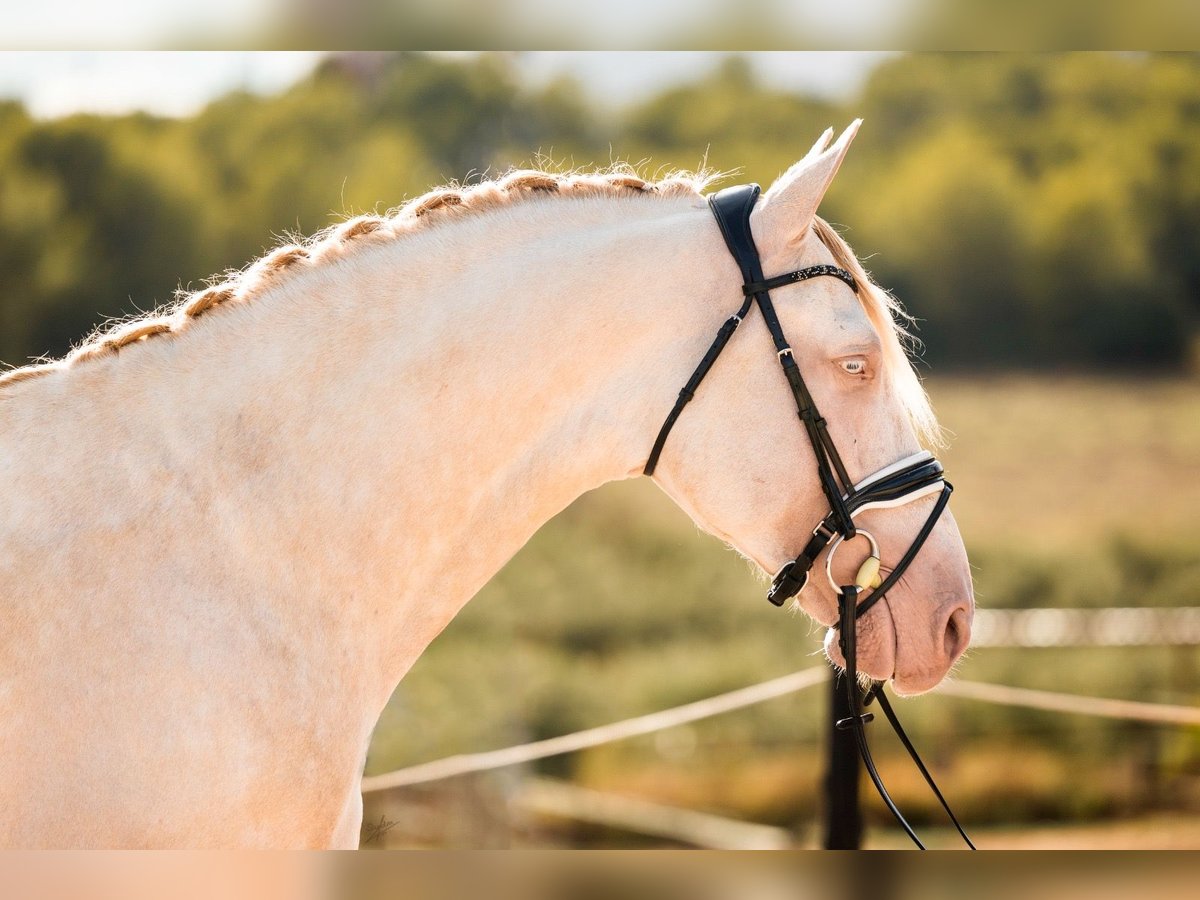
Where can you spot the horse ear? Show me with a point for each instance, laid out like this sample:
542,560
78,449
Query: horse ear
786,211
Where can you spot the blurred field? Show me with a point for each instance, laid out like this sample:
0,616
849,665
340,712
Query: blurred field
1060,463
620,606
1157,832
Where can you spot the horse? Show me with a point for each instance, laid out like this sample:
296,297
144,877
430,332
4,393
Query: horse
230,527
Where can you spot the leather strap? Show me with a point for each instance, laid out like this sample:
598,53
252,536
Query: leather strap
847,640
731,208
792,578
890,714
911,553
849,611
801,275
689,390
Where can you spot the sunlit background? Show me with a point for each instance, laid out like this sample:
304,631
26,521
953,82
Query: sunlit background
615,24
1040,215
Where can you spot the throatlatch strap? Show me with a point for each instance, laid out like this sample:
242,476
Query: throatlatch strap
689,390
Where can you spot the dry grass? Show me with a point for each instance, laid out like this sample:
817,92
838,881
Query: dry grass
1050,462
1163,831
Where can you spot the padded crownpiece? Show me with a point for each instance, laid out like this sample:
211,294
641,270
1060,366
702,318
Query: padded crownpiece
731,208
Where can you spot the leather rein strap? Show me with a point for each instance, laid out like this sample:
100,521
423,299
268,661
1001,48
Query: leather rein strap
904,481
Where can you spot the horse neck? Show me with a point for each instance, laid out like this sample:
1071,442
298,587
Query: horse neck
398,424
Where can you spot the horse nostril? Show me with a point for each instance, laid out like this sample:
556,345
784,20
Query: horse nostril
958,633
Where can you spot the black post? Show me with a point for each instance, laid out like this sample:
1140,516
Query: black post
843,818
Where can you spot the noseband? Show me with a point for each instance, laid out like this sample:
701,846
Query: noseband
902,482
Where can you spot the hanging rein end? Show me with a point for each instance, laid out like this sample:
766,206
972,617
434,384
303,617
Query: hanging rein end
847,606
848,610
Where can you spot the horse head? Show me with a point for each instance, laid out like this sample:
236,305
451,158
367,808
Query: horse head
746,470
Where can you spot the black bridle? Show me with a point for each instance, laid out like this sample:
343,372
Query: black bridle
902,482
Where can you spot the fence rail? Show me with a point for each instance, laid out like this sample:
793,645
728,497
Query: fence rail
1004,695
1109,627
561,799
1079,704
593,737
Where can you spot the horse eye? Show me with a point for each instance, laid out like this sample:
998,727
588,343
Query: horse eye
856,366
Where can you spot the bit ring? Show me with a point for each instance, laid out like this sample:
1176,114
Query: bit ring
868,572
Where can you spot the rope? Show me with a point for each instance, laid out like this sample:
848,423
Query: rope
1072,703
604,734
1004,695
1109,627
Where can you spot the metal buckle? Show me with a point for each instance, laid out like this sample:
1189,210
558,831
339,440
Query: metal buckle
783,572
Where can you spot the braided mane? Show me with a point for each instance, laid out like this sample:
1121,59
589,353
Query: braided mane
455,199
339,240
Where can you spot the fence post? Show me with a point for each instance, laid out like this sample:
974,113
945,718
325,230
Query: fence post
843,818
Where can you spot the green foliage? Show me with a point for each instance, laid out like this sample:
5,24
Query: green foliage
1031,209
926,216
1120,571
727,119
120,220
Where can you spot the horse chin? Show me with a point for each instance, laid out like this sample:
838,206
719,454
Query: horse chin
910,662
876,646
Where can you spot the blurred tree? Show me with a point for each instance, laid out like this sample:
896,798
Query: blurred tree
1098,300
462,116
31,207
1032,208
123,236
947,228
729,120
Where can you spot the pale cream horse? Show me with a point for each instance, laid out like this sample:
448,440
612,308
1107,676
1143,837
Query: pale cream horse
227,532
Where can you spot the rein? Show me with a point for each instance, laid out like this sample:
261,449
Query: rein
902,482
